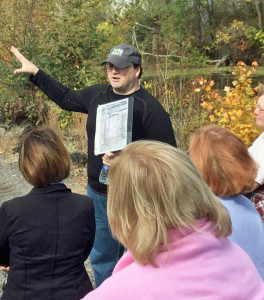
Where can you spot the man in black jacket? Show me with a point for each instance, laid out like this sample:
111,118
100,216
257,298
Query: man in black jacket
150,121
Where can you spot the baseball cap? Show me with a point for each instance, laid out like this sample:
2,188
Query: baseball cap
123,55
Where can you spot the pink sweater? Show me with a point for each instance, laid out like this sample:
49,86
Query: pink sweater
198,267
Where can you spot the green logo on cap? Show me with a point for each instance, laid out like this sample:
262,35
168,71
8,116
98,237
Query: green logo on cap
117,51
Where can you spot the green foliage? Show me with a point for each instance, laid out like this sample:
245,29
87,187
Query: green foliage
194,57
255,36
69,39
64,118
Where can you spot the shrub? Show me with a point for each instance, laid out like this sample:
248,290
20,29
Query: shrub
233,107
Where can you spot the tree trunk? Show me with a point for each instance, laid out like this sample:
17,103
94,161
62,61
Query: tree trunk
259,8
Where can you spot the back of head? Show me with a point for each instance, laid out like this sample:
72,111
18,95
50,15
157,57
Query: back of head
43,159
223,160
154,188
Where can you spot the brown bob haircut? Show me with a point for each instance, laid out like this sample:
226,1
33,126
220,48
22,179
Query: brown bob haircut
155,188
43,158
223,160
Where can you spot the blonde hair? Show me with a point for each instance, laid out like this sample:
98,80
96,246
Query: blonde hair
43,158
223,160
155,188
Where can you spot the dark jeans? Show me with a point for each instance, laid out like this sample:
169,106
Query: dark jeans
106,250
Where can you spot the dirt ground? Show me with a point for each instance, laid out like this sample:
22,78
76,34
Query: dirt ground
12,184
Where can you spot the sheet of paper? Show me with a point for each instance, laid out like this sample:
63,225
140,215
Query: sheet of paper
113,126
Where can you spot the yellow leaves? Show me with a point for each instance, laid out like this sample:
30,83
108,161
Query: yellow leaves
147,85
227,101
211,83
222,37
227,33
241,63
201,84
238,24
239,113
63,125
248,107
205,104
212,118
224,120
102,26
105,27
210,107
233,107
246,131
249,73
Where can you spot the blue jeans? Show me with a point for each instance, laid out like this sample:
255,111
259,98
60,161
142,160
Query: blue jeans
106,250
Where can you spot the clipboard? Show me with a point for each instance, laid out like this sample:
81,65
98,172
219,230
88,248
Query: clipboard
114,122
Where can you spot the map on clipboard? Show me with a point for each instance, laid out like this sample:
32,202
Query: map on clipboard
113,125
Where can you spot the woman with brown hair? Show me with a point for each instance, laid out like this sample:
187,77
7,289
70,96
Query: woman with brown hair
175,231
228,169
50,231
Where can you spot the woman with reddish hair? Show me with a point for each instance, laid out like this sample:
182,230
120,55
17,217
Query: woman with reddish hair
228,169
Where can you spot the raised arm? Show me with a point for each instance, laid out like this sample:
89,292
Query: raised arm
27,66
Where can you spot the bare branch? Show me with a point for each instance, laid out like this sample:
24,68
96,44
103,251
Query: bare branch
163,55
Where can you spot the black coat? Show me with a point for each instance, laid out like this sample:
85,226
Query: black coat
50,233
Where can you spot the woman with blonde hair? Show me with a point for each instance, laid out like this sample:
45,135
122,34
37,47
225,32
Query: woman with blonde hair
46,236
175,230
228,169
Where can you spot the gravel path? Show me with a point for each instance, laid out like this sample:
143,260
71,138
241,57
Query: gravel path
13,184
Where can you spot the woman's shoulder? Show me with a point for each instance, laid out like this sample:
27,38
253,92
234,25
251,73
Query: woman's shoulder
257,143
239,205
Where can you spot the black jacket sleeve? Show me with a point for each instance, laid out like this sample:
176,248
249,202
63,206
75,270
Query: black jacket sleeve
4,235
63,96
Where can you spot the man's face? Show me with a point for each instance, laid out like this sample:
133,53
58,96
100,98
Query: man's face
124,81
259,112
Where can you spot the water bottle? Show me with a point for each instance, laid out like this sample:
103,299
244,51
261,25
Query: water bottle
103,177
5,279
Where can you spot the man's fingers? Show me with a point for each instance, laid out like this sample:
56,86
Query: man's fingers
17,54
18,71
109,154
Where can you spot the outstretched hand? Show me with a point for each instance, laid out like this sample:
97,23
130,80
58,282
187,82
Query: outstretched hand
27,66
